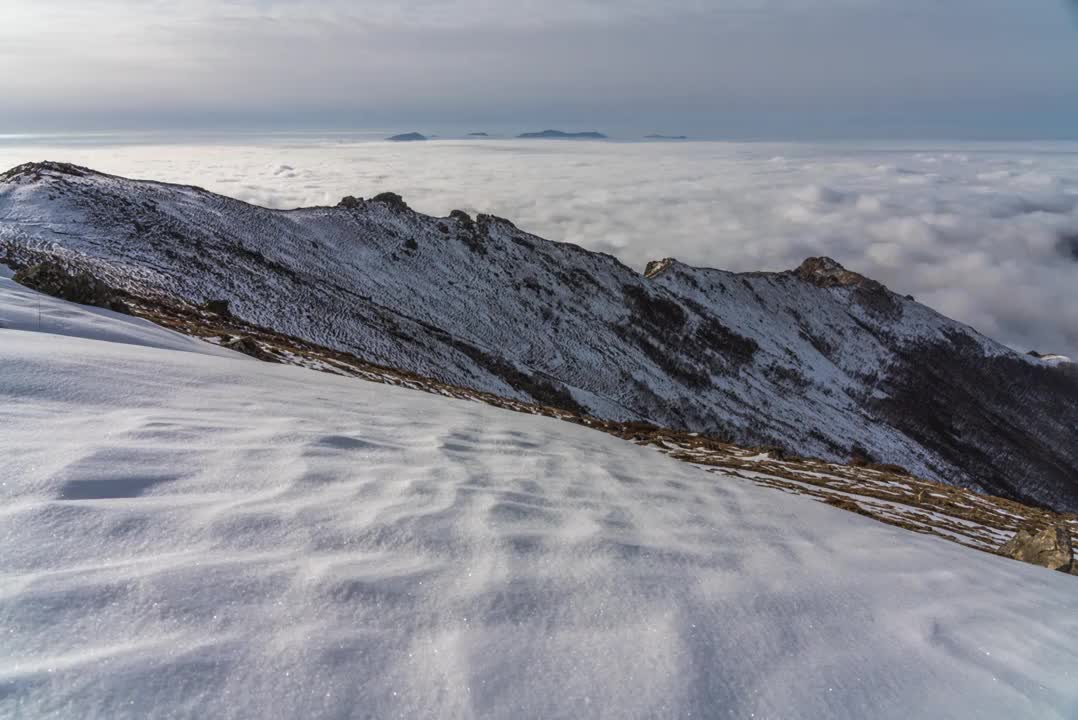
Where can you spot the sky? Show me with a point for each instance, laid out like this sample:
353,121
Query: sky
790,69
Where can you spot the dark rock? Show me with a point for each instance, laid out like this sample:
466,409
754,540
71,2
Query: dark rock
825,272
11,262
390,199
462,217
1050,547
487,220
78,287
350,202
218,307
471,232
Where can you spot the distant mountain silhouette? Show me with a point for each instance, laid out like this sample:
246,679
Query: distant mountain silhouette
407,137
666,137
560,134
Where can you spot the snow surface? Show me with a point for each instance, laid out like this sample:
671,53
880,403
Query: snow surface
189,535
24,309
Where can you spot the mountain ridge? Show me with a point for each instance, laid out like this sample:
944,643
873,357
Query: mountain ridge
819,359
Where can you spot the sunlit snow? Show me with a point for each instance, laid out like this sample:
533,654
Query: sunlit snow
191,534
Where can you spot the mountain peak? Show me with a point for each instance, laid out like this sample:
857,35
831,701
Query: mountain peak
827,272
34,170
654,268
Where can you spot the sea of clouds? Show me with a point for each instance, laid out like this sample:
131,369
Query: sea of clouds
986,233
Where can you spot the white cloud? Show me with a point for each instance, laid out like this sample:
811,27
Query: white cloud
973,230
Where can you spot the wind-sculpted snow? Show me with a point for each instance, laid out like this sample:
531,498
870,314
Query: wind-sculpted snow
185,535
825,364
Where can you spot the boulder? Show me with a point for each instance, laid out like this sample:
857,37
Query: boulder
1050,547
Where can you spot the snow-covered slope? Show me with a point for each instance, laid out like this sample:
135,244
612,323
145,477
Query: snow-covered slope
820,360
23,309
189,535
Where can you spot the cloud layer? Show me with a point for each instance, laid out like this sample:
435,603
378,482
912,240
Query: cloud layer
985,233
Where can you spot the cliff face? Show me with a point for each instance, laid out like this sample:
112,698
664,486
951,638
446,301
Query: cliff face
819,360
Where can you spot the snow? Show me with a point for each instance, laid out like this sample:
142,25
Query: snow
185,533
23,309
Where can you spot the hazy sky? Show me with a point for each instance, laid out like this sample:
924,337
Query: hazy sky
741,68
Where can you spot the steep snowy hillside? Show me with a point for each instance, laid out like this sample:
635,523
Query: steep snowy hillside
185,534
819,360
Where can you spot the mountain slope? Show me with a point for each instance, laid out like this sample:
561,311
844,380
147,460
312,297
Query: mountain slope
189,535
820,360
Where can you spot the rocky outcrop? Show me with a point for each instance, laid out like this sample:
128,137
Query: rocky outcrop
33,170
655,267
1051,548
391,199
220,308
873,296
79,287
825,272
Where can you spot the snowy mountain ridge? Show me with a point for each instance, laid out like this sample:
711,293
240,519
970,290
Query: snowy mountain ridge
819,360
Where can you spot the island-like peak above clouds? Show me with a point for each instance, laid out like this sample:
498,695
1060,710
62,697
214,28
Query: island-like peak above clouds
407,137
819,360
560,134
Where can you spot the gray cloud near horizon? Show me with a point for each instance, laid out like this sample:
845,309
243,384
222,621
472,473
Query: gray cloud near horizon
982,232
